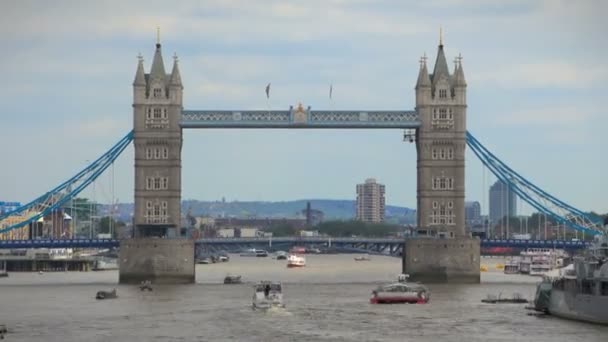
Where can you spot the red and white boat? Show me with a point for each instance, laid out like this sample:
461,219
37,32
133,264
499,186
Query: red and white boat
294,260
400,292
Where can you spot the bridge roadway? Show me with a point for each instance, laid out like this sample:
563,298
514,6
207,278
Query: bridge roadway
392,245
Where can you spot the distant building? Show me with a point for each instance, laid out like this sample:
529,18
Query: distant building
472,212
313,216
503,202
370,201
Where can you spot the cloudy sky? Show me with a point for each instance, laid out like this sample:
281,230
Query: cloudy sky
536,71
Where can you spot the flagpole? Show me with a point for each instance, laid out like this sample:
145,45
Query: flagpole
331,100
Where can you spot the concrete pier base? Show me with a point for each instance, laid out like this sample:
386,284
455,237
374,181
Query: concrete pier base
430,260
161,261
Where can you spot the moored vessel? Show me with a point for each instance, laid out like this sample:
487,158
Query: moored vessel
578,291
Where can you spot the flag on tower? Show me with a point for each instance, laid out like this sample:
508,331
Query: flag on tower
268,91
331,90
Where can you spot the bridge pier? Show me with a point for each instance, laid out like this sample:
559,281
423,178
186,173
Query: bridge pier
432,260
161,261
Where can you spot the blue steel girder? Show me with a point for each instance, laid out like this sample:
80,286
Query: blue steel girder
533,195
299,118
55,198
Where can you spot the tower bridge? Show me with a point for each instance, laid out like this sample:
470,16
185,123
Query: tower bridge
443,253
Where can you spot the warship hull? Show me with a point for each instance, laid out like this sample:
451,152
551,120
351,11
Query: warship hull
580,307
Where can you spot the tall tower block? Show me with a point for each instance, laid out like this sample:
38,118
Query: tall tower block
443,251
156,252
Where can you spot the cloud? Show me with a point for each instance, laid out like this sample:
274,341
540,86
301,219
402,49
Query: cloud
552,74
554,116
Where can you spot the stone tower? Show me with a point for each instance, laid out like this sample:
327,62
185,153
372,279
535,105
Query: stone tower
156,253
157,108
443,252
441,141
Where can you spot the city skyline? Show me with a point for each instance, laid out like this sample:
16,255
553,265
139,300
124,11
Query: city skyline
77,95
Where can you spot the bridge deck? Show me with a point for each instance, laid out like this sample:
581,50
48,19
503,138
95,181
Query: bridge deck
107,243
299,118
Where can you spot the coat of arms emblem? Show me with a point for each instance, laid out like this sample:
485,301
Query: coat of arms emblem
300,116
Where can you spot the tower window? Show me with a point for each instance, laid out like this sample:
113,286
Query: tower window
157,113
450,153
157,92
443,93
434,153
165,153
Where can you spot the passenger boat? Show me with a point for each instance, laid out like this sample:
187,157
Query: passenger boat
261,253
267,295
512,267
294,260
400,292
542,260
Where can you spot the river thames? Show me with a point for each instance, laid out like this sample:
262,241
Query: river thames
326,301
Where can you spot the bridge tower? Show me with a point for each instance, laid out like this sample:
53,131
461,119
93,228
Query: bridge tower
444,252
156,252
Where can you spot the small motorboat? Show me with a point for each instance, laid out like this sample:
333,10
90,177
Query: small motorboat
294,260
106,294
363,258
232,279
267,295
281,255
145,286
223,258
401,292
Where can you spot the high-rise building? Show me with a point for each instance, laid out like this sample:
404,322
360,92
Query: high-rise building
472,212
502,202
370,201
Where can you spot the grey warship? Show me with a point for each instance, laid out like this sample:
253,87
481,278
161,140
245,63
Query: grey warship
580,290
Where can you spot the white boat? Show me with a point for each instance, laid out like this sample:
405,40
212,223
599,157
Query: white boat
294,260
267,295
105,264
249,253
512,266
538,261
254,253
363,258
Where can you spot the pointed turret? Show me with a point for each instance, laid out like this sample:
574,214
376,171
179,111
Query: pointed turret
441,65
158,66
423,75
140,76
176,78
459,80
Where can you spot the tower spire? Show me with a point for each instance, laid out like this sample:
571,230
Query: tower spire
157,36
140,78
440,36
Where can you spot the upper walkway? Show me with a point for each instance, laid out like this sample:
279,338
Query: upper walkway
299,118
